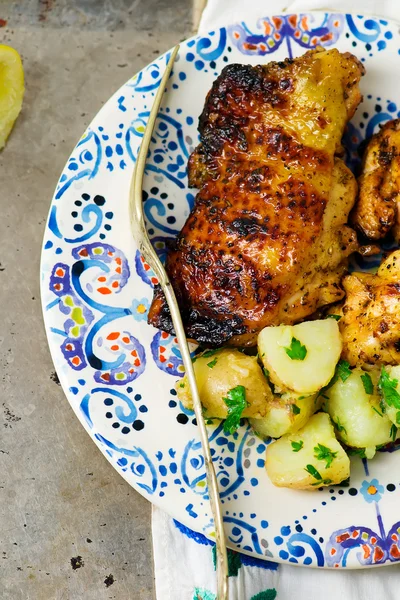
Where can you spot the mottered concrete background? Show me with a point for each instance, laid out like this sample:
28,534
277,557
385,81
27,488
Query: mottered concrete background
70,527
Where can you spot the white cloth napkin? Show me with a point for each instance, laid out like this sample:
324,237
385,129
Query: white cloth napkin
218,13
183,560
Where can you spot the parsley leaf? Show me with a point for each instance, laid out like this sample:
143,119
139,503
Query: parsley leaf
367,383
212,364
339,426
181,385
297,446
393,432
377,411
313,472
236,403
295,409
209,353
336,317
325,481
296,351
266,372
324,453
387,387
356,452
343,370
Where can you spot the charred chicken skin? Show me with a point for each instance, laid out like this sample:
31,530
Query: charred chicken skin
266,242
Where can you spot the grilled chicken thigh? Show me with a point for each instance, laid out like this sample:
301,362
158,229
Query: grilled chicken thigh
266,242
378,208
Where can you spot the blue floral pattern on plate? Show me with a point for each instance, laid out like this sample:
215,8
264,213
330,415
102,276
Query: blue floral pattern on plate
119,373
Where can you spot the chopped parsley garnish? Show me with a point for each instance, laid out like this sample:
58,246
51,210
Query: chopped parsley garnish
339,426
387,387
336,317
367,383
209,353
266,372
324,453
295,409
356,452
236,403
377,411
181,385
324,482
313,472
296,350
343,370
212,364
297,446
393,432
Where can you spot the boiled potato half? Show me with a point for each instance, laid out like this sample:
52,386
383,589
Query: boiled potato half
286,414
354,407
310,458
218,372
301,357
391,387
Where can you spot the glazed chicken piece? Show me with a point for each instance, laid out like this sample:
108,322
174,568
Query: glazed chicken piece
378,208
370,325
266,242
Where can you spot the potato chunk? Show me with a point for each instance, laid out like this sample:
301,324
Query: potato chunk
219,372
356,413
301,357
308,459
286,414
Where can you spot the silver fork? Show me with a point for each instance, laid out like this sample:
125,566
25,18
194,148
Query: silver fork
140,235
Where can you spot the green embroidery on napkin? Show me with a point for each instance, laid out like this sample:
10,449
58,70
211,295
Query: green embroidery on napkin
234,561
202,594
267,595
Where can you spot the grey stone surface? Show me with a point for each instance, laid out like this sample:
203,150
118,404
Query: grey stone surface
59,498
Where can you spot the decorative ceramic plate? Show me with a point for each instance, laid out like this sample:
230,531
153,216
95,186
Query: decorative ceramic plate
119,373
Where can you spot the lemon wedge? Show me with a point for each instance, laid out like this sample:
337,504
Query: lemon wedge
11,90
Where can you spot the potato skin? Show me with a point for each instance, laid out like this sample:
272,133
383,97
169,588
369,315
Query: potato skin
287,468
230,369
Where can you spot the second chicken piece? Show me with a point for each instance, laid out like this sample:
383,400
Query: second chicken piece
378,208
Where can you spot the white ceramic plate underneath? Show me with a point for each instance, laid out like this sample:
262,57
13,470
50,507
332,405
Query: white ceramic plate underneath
119,373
